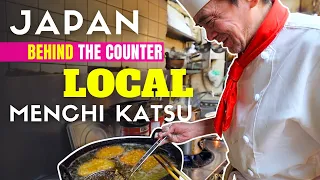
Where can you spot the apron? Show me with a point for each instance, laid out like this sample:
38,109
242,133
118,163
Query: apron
232,174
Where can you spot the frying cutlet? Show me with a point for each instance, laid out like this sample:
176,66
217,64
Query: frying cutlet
109,152
132,157
95,165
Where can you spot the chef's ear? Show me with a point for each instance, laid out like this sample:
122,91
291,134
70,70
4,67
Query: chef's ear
253,3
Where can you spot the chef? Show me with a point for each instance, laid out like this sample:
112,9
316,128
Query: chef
269,113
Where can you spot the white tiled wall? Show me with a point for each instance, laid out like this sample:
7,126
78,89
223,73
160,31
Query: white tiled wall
3,36
293,5
52,68
83,69
113,37
97,37
143,25
59,22
13,16
79,35
116,3
111,15
153,12
24,38
95,6
79,5
143,8
4,67
53,6
46,39
26,66
2,16
130,5
31,3
152,27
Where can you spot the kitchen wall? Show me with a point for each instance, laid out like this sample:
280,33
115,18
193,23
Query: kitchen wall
310,6
152,27
152,19
170,42
293,5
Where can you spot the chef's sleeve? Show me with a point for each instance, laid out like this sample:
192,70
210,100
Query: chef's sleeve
311,116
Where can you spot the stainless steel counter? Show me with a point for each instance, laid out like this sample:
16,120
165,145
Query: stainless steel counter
219,149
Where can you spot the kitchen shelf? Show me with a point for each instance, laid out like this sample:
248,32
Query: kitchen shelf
189,71
177,34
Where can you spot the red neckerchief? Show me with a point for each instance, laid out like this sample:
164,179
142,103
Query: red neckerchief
270,27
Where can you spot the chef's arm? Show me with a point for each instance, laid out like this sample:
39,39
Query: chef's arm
180,132
205,127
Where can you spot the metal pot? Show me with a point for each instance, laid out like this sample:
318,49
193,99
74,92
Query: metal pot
139,128
196,146
193,147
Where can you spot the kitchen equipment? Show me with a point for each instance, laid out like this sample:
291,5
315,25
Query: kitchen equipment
218,48
139,128
193,147
210,162
81,133
41,145
150,151
208,106
211,114
197,64
147,154
200,59
169,150
105,175
174,60
163,163
200,160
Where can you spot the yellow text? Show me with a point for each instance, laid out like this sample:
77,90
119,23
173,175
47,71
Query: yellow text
155,80
50,51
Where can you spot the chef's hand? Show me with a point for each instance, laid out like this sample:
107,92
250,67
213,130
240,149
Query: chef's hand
182,132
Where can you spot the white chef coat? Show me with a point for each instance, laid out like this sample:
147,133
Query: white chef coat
275,131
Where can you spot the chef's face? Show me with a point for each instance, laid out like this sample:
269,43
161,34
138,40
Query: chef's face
226,22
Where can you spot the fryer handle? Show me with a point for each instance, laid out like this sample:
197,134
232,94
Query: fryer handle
64,170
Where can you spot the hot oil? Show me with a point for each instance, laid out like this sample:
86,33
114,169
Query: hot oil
156,173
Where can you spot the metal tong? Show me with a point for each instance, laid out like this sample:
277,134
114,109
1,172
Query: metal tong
146,155
170,168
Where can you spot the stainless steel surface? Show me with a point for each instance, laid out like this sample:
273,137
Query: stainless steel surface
207,106
81,133
219,149
191,148
196,146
